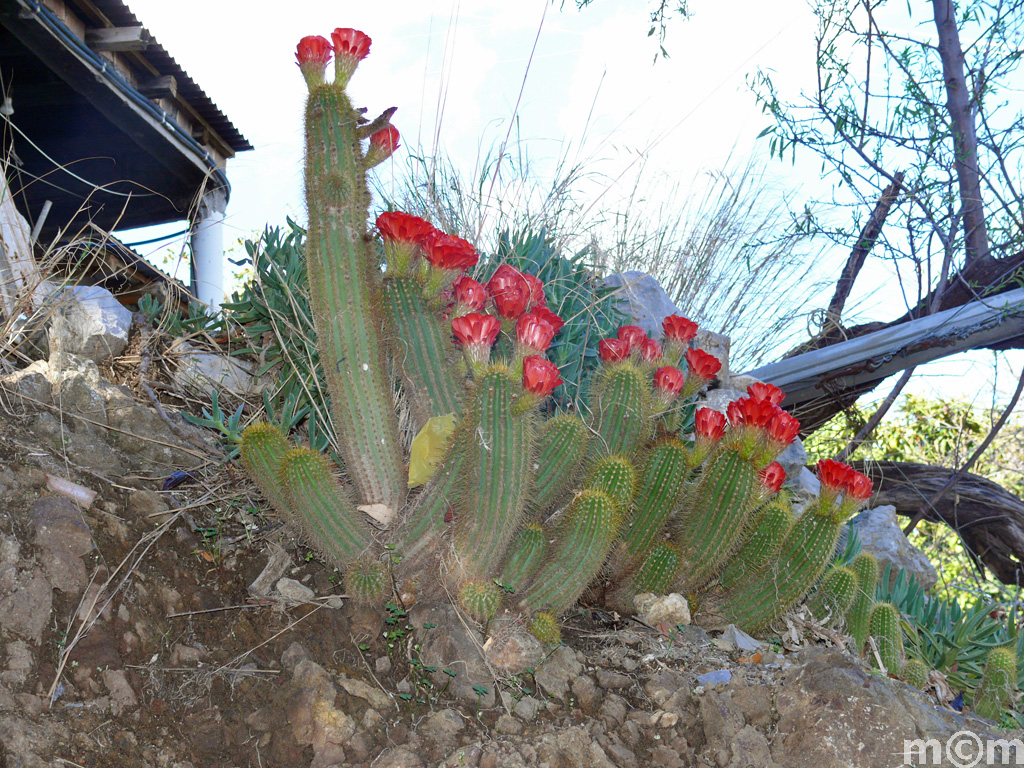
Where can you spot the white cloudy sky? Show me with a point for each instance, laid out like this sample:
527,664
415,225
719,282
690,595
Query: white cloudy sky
590,91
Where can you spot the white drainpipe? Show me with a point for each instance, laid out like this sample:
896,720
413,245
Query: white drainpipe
208,249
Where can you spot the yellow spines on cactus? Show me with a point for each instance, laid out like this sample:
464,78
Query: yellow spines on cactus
616,476
366,581
834,594
915,673
621,399
545,628
262,448
865,567
884,627
998,683
480,599
561,448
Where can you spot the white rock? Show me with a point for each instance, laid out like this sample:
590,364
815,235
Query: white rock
88,321
642,300
719,399
735,639
794,459
204,372
716,344
293,591
881,535
654,609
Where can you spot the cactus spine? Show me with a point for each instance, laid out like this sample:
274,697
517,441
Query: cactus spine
915,673
262,448
884,627
623,400
344,296
561,448
998,682
525,556
761,548
834,594
865,568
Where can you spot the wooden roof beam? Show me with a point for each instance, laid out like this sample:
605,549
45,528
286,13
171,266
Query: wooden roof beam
117,39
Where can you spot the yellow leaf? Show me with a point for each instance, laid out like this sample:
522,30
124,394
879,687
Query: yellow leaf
428,448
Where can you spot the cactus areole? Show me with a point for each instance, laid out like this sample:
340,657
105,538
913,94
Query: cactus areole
530,509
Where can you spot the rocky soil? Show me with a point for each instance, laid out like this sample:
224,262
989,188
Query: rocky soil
177,627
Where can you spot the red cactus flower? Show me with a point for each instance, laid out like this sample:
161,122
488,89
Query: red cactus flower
858,486
709,423
537,297
613,350
633,335
449,252
403,227
510,291
669,380
650,350
313,54
679,328
761,391
476,329
350,47
469,293
773,476
540,376
783,428
750,412
533,332
383,144
544,313
702,365
834,475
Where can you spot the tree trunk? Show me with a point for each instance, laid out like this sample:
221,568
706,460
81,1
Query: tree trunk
965,140
988,518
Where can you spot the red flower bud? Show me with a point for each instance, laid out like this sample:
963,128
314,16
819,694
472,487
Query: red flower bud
449,252
540,376
750,412
469,293
350,47
510,291
476,329
383,144
773,476
678,328
633,335
395,226
544,313
834,475
650,350
533,332
709,423
702,364
761,391
537,297
669,380
783,428
313,54
858,485
613,350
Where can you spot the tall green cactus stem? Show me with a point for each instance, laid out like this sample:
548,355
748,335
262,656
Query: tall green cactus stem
834,594
884,627
915,673
583,541
561,448
344,292
754,602
498,479
322,507
865,567
424,351
761,548
262,449
658,570
664,476
713,528
998,682
524,556
616,476
622,400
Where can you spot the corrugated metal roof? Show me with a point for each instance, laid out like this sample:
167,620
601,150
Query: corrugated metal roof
188,90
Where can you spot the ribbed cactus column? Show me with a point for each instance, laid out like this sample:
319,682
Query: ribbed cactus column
622,409
344,286
262,449
423,351
498,476
865,567
561,448
998,683
761,547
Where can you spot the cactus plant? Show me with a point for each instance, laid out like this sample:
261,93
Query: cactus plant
915,673
529,508
998,682
833,596
865,568
884,627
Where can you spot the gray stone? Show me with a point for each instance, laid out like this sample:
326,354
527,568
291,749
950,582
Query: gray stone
613,711
719,399
362,690
122,697
642,300
671,609
30,384
398,757
613,680
722,719
587,694
881,535
557,672
25,612
292,591
804,484
715,344
90,322
311,714
204,372
793,459
749,747
735,639
77,395
508,726
451,645
19,663
527,708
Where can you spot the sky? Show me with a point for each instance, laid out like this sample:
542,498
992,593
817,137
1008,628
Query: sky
581,85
